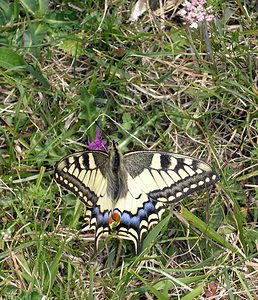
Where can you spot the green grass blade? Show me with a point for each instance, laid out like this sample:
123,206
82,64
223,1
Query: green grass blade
208,231
153,234
155,292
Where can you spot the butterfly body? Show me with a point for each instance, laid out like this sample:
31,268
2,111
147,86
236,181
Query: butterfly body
127,194
116,175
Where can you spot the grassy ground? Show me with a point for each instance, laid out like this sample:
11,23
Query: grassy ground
155,82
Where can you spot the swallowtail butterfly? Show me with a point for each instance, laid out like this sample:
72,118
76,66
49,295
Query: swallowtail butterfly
127,194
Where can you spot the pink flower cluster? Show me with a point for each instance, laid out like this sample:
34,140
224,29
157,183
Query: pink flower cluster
194,12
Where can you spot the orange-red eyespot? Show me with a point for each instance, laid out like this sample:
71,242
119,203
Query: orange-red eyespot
114,218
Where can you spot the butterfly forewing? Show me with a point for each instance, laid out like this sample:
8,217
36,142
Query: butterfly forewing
168,177
83,174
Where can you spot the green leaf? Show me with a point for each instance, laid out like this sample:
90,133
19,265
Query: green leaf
73,45
53,271
30,5
43,6
39,76
197,291
127,121
184,280
6,9
10,59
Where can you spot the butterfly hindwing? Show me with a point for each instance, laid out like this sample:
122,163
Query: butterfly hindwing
135,222
98,221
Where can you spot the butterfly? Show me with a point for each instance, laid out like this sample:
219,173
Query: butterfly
127,194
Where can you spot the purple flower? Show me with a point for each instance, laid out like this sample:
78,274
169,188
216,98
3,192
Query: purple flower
98,143
194,12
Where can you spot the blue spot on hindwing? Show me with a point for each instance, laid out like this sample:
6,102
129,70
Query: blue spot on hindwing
148,206
135,221
142,213
102,218
125,219
128,220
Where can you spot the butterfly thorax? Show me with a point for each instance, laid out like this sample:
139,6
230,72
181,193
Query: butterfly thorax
117,176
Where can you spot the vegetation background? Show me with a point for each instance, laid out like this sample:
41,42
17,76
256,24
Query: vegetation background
155,81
